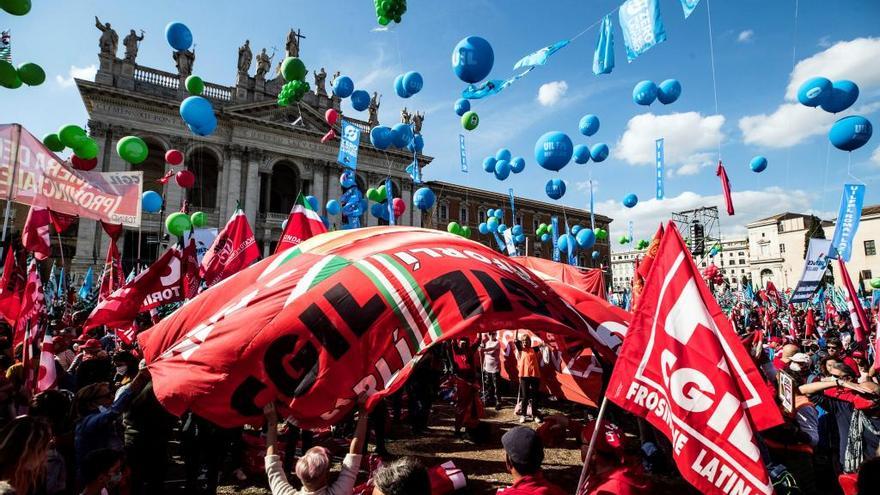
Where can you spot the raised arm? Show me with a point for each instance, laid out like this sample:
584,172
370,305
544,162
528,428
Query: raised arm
360,431
271,427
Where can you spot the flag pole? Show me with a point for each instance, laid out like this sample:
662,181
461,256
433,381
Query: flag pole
590,449
16,139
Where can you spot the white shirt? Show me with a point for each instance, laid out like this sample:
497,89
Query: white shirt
343,485
491,352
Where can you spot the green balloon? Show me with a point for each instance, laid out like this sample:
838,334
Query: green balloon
293,69
31,74
53,142
383,21
453,228
87,149
875,283
194,85
198,219
466,232
178,223
382,193
8,75
132,149
16,7
373,195
71,135
470,120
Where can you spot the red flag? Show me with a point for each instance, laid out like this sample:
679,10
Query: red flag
61,221
165,178
46,376
11,286
773,295
643,267
683,369
114,230
32,305
234,249
35,235
190,269
809,323
856,311
112,277
159,284
302,223
725,185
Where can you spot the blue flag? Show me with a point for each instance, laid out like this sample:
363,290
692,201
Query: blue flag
414,171
88,285
572,260
642,26
61,290
554,222
541,56
659,159
389,200
463,152
603,57
848,218
348,145
688,7
489,88
875,298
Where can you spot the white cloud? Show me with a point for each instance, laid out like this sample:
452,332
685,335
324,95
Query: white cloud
689,138
745,36
550,93
792,123
75,72
584,186
824,42
875,157
855,60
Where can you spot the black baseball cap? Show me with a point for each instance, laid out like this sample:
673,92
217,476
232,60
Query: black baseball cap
523,446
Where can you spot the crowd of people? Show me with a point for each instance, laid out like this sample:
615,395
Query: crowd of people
101,430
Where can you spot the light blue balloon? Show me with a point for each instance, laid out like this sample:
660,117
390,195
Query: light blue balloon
347,178
381,137
545,237
499,213
343,87
562,243
758,164
502,169
490,213
483,228
850,133
519,238
402,135
417,144
502,228
178,35
379,210
472,59
596,255
424,198
503,154
814,92
333,207
589,124
553,150
399,88
516,230
843,94
360,100
555,188
575,229
599,152
313,202
630,200
645,92
489,164
585,239
462,106
413,82
581,154
151,202
669,91
518,164
492,224
198,113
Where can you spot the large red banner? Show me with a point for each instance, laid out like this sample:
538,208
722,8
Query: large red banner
342,313
683,368
589,280
44,180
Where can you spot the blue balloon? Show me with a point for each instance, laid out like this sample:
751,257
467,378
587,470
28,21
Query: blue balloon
489,165
462,106
555,188
178,35
412,82
585,238
581,153
379,210
843,94
313,201
381,137
850,133
501,228
333,207
492,224
503,154
402,135
519,238
575,229
518,164
645,92
545,237
630,200
399,88
424,198
669,91
483,228
151,202
596,255
198,113
347,178
516,230
502,169
814,92
417,144
360,100
589,124
553,150
499,213
599,152
563,242
472,59
758,164
490,213
343,87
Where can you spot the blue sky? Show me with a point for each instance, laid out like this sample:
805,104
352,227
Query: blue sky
754,41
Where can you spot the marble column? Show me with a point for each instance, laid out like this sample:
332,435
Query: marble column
318,187
252,192
233,184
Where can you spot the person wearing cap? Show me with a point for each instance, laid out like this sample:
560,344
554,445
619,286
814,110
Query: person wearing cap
63,353
92,365
524,454
611,470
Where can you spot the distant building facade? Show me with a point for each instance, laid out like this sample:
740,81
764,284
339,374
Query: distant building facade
777,247
732,261
865,262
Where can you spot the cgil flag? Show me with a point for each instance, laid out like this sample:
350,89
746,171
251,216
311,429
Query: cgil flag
12,284
112,276
35,235
603,57
683,369
234,249
46,376
32,306
302,223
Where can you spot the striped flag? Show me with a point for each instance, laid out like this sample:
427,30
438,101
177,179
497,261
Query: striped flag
6,46
302,223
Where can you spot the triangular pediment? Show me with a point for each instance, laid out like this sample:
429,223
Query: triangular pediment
301,115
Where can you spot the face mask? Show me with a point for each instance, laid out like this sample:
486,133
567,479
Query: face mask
121,370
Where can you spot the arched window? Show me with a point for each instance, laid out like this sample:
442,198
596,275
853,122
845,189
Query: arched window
205,166
154,166
766,276
284,187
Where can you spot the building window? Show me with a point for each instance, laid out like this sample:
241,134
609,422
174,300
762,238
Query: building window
870,249
519,220
740,253
742,261
444,212
463,215
536,222
866,275
782,249
482,215
763,234
781,228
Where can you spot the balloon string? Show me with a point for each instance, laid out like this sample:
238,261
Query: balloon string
793,63
591,26
849,169
825,180
712,59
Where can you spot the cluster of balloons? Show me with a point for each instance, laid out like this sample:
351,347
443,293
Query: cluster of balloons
85,149
582,153
16,7
623,240
645,92
713,275
424,198
544,232
352,201
630,200
758,164
494,217
408,84
849,133
343,87
380,196
400,136
27,73
643,244
472,60
178,35
388,10
330,116
502,164
462,230
194,85
198,113
293,70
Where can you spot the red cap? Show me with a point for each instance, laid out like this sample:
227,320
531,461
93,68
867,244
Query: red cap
92,344
610,442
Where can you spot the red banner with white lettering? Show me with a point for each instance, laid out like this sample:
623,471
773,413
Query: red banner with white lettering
683,369
342,313
234,249
42,179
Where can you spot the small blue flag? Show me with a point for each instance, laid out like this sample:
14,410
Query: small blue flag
642,26
88,285
603,57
